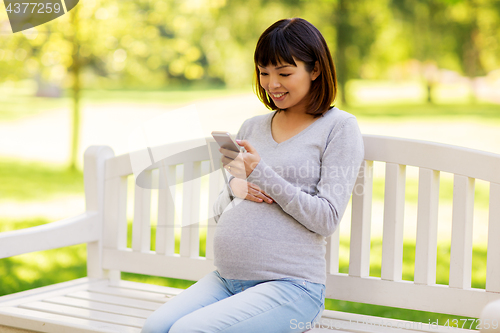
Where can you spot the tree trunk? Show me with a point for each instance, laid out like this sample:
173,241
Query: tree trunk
342,30
75,69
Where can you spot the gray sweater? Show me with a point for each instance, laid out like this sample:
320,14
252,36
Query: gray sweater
310,177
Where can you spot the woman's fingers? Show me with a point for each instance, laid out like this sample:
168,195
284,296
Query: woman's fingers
255,191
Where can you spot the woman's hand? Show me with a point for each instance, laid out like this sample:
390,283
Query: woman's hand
246,190
240,164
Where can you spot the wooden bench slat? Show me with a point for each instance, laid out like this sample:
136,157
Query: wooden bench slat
332,252
99,306
165,230
177,267
433,155
408,295
134,294
54,290
359,257
190,234
115,213
461,232
493,256
215,183
353,322
56,323
145,287
141,228
427,218
116,300
95,315
392,238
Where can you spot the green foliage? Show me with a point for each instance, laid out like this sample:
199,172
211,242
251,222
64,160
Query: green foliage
157,43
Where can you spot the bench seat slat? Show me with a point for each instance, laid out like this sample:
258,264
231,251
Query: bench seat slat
56,323
124,284
99,306
134,294
85,314
116,300
352,322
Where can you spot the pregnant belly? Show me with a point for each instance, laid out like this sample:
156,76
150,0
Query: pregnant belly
248,223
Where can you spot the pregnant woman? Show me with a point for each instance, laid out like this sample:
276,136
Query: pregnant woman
286,194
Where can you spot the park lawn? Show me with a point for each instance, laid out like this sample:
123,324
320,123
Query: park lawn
21,103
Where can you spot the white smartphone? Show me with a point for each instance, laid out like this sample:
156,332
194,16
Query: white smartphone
225,141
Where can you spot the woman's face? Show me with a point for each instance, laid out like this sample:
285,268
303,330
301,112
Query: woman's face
288,85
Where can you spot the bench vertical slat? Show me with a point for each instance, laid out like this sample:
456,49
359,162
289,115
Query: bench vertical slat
115,215
427,217
359,257
215,180
165,230
461,232
141,227
190,240
332,252
493,256
392,238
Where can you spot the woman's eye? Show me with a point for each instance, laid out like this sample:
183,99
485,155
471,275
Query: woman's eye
285,75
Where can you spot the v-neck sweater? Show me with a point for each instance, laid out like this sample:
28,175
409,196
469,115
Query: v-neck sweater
310,177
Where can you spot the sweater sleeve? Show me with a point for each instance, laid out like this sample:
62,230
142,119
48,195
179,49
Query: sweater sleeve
341,161
226,196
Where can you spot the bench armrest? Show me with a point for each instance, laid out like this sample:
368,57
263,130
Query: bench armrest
489,316
82,228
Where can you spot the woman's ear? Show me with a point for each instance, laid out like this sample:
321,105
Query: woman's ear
316,71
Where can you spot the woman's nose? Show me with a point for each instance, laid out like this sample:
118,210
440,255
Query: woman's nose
274,82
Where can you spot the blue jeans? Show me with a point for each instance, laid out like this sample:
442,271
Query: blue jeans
214,304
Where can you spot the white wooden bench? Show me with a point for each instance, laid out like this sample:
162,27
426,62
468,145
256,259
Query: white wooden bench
102,302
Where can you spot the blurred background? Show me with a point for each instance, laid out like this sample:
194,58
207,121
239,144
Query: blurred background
427,70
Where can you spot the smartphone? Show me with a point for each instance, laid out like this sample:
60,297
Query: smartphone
225,141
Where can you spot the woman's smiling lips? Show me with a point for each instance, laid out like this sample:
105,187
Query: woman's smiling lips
278,96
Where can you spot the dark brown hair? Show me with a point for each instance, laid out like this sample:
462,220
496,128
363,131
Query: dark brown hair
297,38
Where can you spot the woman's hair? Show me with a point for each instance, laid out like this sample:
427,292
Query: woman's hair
298,38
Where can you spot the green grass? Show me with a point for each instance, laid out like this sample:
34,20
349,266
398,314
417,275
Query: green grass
53,266
36,181
485,112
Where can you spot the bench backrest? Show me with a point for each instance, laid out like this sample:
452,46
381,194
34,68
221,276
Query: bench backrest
201,185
